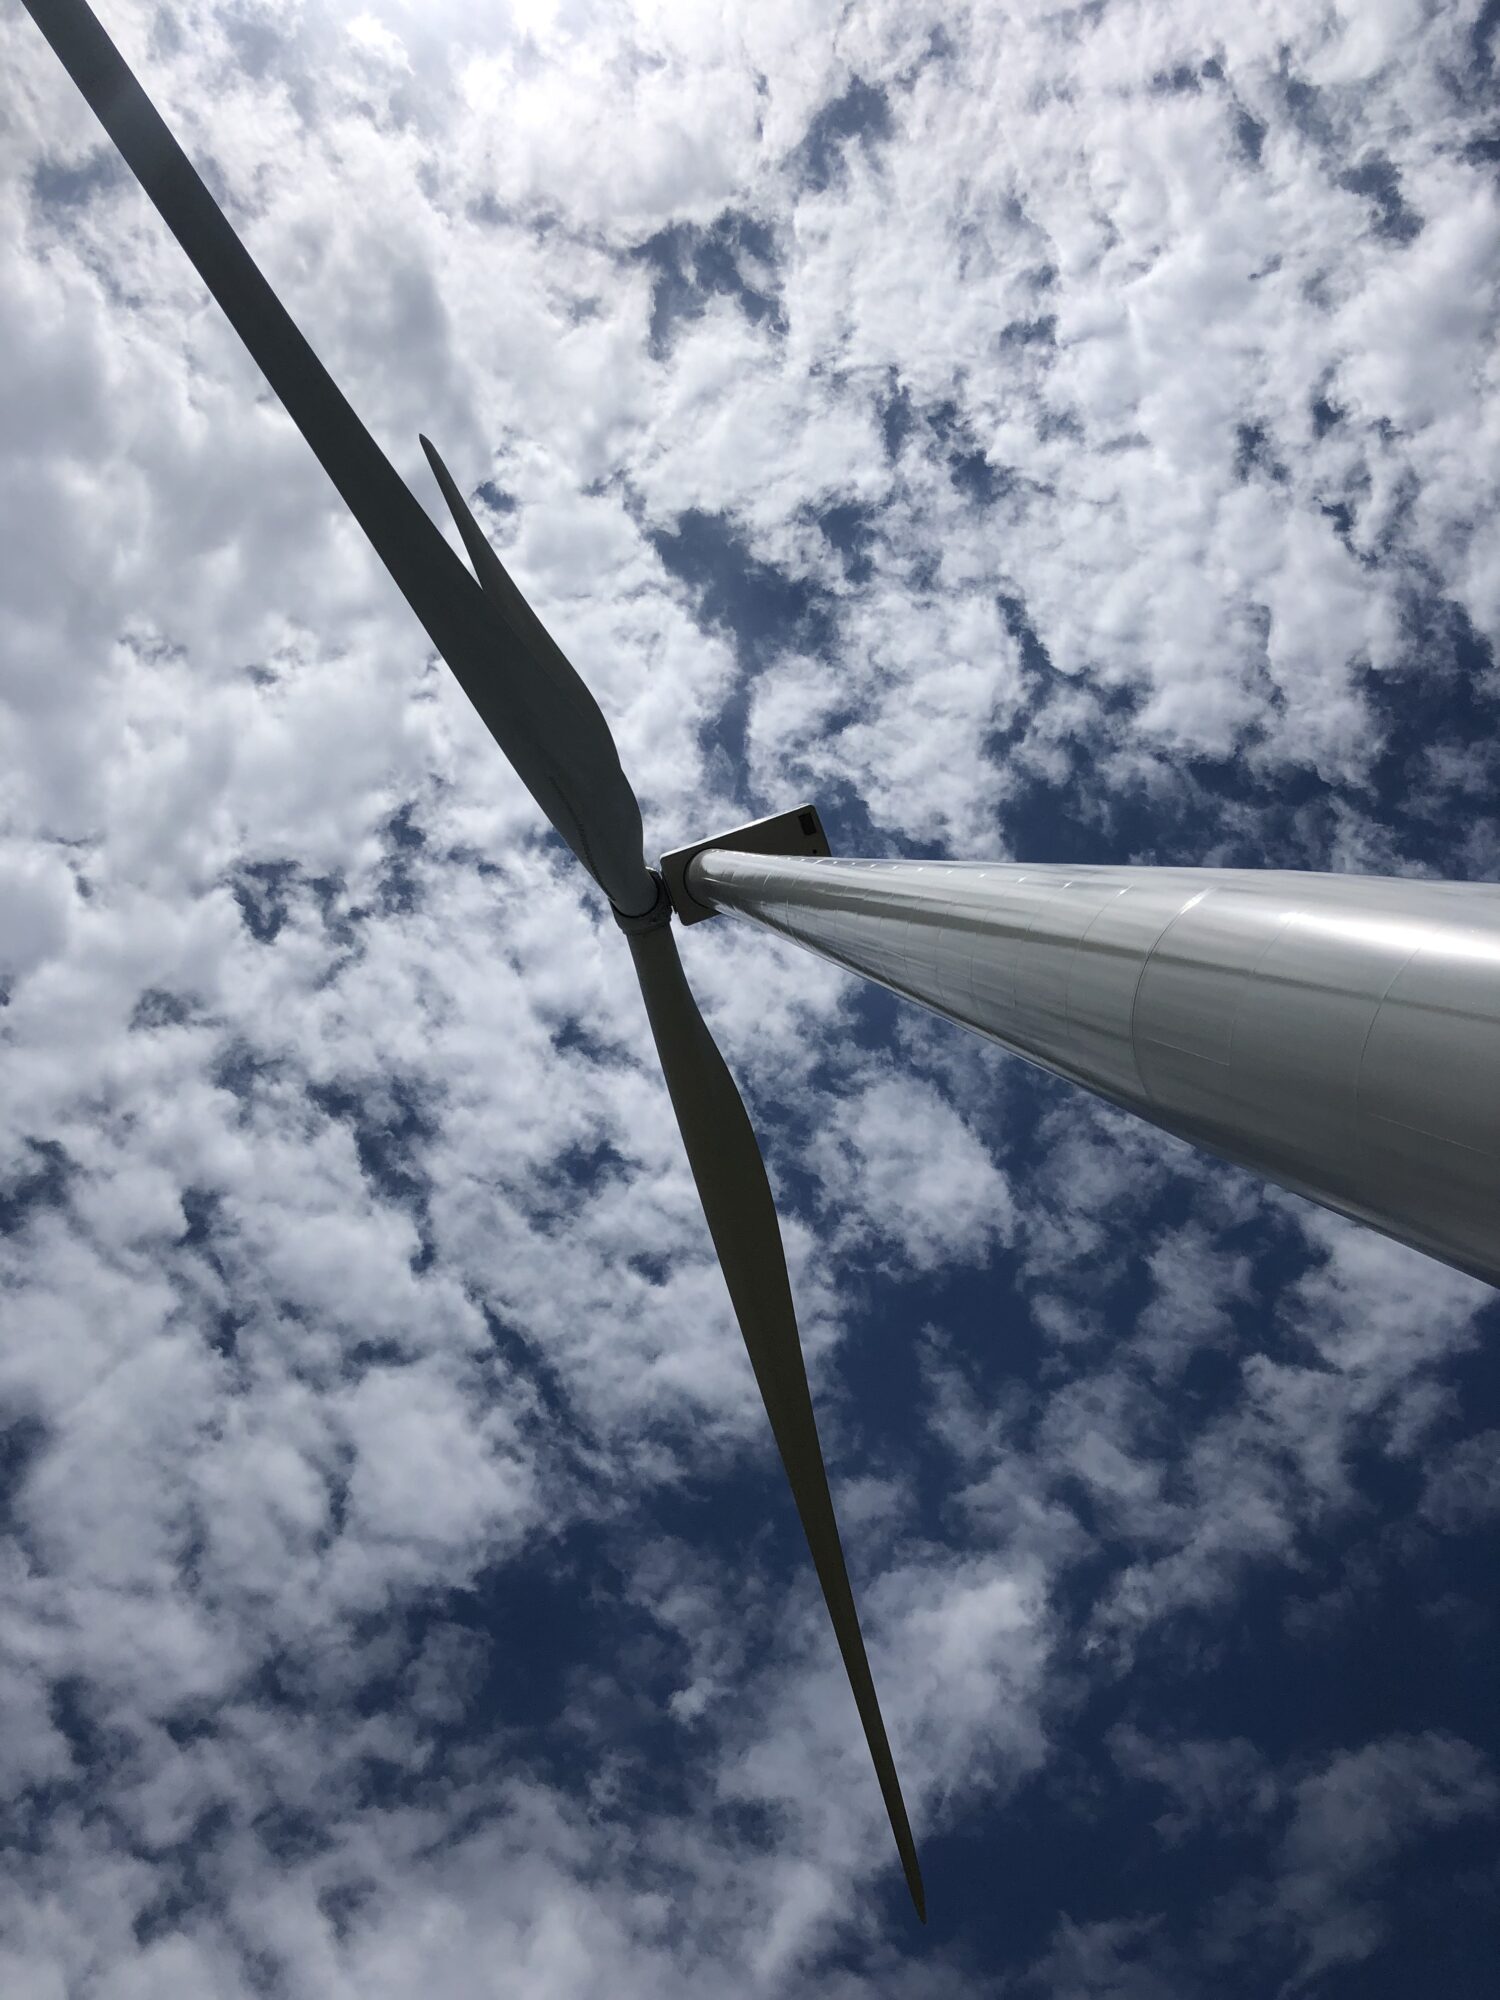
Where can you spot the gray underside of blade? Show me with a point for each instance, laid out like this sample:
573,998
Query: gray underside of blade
731,1178
566,733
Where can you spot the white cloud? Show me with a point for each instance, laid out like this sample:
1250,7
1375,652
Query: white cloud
913,1181
1351,1820
1464,1486
1212,1786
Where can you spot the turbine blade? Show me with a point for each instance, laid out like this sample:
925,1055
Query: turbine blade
731,1177
495,580
492,650
567,719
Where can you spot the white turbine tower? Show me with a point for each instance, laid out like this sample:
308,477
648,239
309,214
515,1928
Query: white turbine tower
1338,1034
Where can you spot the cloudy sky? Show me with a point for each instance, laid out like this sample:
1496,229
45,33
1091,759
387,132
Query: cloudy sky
1050,432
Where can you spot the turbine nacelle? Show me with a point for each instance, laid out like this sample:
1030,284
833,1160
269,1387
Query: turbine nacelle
796,832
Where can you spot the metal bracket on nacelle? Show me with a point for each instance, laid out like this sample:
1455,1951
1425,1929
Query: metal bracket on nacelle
799,831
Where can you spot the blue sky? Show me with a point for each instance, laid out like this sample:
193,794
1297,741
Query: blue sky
1051,433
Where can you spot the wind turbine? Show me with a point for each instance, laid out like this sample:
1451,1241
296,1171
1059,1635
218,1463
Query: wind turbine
1339,1035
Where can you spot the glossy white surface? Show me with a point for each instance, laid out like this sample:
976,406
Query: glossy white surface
1339,1034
